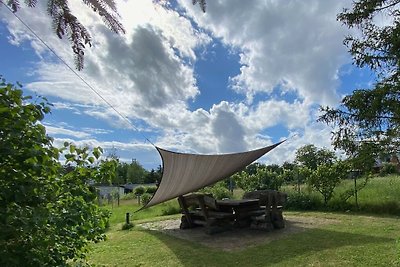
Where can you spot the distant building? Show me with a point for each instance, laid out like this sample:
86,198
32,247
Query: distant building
107,190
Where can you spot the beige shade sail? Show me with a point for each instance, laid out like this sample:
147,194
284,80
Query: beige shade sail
186,173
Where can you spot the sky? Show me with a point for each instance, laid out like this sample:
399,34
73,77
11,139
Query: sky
243,75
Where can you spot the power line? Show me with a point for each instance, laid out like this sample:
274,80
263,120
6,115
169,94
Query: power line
76,74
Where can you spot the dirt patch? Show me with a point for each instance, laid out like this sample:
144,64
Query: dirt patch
237,239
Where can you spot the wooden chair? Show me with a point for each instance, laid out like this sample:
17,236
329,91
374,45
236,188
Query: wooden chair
272,201
201,209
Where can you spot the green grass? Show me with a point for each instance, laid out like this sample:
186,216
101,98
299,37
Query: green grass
354,240
381,195
118,213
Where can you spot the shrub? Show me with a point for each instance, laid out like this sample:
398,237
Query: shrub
218,191
302,201
48,215
326,177
139,190
170,209
145,198
262,178
151,189
129,196
339,204
388,168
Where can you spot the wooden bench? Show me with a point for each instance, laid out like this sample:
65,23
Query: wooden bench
201,209
272,201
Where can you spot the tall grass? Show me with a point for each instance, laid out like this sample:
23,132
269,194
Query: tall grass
381,195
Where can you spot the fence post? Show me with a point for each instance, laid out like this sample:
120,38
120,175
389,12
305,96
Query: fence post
127,218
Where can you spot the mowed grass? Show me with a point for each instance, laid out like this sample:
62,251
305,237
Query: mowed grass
118,213
353,240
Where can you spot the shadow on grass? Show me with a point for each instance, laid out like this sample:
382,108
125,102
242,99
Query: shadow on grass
307,242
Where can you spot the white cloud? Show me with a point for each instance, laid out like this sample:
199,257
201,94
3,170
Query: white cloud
52,131
63,128
292,44
148,75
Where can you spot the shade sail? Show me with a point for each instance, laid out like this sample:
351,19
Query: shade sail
185,173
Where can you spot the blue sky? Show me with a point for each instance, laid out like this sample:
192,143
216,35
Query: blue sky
241,76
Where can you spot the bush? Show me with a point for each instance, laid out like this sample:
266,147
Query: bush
129,196
139,190
171,208
302,201
326,177
48,215
388,168
145,198
218,191
151,189
339,204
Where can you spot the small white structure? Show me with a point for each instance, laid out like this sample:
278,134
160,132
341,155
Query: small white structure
109,190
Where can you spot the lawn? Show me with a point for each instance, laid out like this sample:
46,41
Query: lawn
352,240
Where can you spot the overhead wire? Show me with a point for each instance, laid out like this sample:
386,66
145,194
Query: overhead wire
77,74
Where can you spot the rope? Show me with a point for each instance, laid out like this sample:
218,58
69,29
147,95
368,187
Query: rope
77,74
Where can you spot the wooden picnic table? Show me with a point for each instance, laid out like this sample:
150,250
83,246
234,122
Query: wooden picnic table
221,215
243,209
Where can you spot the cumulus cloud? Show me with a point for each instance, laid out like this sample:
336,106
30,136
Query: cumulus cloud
149,76
295,45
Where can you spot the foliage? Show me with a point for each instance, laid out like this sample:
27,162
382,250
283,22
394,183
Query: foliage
170,208
218,190
129,196
311,157
139,190
153,176
351,192
135,172
302,201
326,177
202,4
263,178
297,175
370,115
388,168
47,215
151,189
66,23
145,198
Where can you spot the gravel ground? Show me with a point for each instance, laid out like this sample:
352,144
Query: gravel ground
237,239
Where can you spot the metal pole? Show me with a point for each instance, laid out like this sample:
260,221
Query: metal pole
355,190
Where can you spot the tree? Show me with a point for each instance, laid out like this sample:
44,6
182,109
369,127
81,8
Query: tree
311,157
263,178
136,173
370,115
47,213
65,23
326,177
